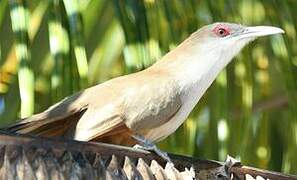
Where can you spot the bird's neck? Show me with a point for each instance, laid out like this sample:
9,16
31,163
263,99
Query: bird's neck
194,68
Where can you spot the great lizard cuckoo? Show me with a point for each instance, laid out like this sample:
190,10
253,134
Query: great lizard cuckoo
149,105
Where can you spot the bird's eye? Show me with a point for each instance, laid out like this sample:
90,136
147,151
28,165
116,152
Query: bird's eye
221,31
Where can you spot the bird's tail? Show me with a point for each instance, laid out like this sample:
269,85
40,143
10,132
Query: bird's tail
58,120
40,125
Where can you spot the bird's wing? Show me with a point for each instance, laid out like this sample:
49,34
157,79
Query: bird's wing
134,103
55,121
155,103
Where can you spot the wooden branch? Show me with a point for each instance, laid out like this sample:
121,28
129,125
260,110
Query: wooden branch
27,157
242,171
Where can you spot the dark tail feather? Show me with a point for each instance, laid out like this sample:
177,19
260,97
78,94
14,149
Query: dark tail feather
47,127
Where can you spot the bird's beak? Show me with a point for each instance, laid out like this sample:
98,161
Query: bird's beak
257,31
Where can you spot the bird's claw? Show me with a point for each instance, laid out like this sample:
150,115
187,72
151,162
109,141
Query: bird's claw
149,146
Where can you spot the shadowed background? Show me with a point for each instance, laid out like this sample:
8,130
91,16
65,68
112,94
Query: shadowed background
50,49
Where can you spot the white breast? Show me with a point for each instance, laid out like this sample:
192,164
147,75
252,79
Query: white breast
189,100
194,82
195,71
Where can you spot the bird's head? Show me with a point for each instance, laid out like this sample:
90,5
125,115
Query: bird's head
227,39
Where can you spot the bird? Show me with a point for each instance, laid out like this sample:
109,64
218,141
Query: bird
147,106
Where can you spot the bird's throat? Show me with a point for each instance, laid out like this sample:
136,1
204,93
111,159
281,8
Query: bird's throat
193,68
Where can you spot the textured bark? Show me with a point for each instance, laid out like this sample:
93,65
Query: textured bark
26,157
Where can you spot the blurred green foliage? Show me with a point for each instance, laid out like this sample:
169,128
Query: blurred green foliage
52,48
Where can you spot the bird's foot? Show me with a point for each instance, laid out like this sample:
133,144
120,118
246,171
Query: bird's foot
150,146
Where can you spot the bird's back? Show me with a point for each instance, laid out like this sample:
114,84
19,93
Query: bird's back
133,103
136,103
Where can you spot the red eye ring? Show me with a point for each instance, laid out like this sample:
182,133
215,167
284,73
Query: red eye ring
221,31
